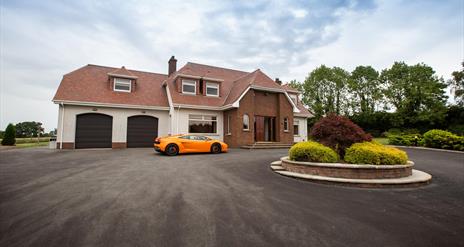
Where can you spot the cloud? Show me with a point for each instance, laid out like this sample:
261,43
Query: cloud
43,40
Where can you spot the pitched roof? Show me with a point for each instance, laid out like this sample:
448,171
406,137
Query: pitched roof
228,76
90,84
122,72
289,88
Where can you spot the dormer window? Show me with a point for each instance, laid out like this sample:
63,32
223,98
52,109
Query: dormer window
122,85
294,98
212,89
189,87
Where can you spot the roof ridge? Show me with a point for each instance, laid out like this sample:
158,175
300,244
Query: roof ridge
217,67
130,70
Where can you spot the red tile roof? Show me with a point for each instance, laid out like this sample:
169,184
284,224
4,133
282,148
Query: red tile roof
90,84
289,88
122,72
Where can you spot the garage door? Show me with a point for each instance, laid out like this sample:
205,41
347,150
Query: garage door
141,130
94,130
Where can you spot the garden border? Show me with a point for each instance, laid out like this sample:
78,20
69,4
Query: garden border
427,148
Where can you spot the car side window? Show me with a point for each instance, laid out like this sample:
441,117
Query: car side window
185,137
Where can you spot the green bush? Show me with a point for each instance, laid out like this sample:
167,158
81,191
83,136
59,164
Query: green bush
405,139
375,154
457,129
9,137
313,152
444,140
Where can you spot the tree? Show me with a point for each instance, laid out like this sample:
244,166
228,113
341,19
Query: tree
296,85
29,129
338,132
457,84
325,90
365,87
9,138
417,94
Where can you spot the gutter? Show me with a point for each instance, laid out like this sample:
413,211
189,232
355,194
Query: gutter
62,126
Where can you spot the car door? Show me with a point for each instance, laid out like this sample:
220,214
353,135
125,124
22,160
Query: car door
187,143
203,143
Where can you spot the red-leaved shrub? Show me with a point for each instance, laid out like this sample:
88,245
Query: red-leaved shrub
338,133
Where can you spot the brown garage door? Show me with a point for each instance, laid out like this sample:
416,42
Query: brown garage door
141,130
94,130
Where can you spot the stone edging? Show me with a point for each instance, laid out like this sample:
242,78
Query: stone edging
349,171
417,178
342,165
430,149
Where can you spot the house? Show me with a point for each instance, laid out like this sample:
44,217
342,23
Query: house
104,107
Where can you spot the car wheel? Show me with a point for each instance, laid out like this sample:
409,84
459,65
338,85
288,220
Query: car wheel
215,148
171,150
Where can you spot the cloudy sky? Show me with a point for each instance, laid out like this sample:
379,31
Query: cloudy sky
42,40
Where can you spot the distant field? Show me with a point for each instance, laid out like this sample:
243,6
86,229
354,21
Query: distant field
31,140
31,145
382,140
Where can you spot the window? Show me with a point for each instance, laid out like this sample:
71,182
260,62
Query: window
189,87
212,89
294,98
286,124
246,122
296,127
228,124
122,85
202,124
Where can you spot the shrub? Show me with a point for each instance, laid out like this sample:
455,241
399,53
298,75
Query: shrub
313,152
338,133
457,129
375,154
9,136
444,140
405,140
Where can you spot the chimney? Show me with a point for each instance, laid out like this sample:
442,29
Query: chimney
172,65
278,81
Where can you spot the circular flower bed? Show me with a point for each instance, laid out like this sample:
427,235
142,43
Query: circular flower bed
367,160
344,153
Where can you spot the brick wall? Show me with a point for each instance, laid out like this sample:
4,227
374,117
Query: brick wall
261,104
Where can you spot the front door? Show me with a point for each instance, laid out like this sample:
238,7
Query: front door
259,129
265,129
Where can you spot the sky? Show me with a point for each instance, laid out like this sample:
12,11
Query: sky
40,41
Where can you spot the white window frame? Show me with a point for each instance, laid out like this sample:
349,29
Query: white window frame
296,122
204,120
248,122
286,124
122,81
228,125
190,83
294,97
212,85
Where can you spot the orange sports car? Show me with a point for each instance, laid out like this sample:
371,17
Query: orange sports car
173,145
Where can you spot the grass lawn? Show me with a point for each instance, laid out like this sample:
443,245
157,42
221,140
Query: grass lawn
32,144
382,140
29,145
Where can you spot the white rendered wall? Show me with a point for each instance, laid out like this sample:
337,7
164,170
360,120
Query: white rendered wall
119,115
303,130
180,123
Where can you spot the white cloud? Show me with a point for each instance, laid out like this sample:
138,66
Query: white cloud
43,40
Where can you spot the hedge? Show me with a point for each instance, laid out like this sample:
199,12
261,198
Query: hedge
312,152
405,140
375,154
444,140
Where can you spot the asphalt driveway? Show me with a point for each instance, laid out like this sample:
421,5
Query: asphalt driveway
134,197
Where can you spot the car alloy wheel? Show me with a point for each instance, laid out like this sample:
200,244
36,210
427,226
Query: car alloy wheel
171,150
215,148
